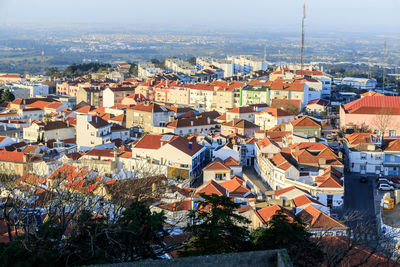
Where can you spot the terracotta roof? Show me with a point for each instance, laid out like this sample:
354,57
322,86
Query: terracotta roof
177,206
304,200
393,145
29,149
371,93
154,141
241,123
305,122
98,122
236,188
241,110
109,153
31,179
361,138
53,125
279,84
149,108
231,162
74,155
286,104
321,102
312,72
275,112
39,104
187,122
282,191
210,188
266,142
266,213
85,109
54,105
316,219
12,156
374,105
215,165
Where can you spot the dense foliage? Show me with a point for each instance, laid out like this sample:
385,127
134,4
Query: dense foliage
93,240
6,96
75,70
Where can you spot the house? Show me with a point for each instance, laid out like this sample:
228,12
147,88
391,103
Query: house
16,163
290,105
271,117
239,126
317,106
90,95
246,113
178,155
378,113
306,125
114,95
119,132
92,131
187,126
320,224
6,141
147,116
363,153
48,130
216,170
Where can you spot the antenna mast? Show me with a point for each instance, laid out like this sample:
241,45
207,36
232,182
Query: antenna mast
302,37
384,67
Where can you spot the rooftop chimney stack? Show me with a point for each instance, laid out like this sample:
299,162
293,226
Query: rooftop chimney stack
190,145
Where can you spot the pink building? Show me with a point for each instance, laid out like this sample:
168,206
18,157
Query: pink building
239,126
379,113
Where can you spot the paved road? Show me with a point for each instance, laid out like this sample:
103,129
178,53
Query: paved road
359,203
250,173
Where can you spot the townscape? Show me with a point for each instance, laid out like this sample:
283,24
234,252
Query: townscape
224,159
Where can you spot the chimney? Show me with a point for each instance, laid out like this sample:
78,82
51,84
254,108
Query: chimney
191,123
171,118
208,120
67,123
190,145
321,161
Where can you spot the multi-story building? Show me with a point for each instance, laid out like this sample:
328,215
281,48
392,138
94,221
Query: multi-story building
239,126
381,114
187,126
245,64
179,66
226,95
114,95
357,83
245,112
91,95
91,131
57,130
271,117
147,116
306,126
148,69
183,158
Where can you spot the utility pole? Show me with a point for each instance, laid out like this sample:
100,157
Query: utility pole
369,68
279,56
265,53
384,67
43,61
302,37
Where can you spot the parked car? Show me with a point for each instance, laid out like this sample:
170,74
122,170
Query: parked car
395,180
385,187
385,181
363,179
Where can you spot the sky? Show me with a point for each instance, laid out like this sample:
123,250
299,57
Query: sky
325,15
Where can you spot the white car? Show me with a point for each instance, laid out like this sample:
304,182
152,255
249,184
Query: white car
385,187
385,181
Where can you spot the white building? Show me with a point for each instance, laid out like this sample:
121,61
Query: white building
183,158
57,130
179,65
358,83
91,131
148,69
272,117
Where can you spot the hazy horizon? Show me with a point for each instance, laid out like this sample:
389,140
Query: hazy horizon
338,16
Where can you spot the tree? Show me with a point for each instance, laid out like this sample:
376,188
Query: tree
216,227
282,233
134,70
53,72
7,96
192,60
382,121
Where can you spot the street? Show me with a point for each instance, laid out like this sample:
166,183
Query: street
359,204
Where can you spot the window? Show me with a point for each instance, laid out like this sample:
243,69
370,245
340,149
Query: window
392,133
363,167
363,156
